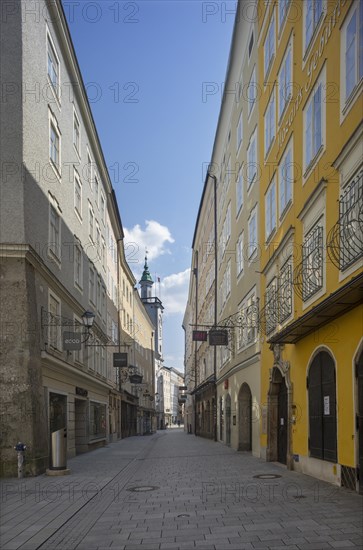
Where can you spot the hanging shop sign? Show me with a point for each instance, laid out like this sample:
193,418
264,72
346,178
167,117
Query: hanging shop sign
120,360
200,335
218,337
72,341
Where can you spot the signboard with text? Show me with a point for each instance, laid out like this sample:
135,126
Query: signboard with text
120,360
200,335
218,337
72,341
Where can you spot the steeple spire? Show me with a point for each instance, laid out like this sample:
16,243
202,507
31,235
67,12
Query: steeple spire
146,273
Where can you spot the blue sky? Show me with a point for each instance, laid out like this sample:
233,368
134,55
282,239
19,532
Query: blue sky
145,65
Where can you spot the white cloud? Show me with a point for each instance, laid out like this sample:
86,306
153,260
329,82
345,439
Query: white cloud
154,238
174,292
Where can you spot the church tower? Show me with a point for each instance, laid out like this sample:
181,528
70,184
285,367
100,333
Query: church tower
154,307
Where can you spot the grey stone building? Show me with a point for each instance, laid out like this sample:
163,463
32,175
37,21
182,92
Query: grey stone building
59,227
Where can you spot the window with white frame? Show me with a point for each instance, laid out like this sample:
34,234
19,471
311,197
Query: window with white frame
251,161
76,133
285,82
77,194
285,181
269,46
226,230
285,291
270,128
313,125
313,261
270,210
252,234
96,189
98,240
92,285
53,66
352,46
54,332
54,231
91,222
54,143
271,306
228,173
239,254
248,318
103,253
98,297
313,13
226,283
78,328
239,136
283,9
89,169
239,190
78,266
252,91
103,208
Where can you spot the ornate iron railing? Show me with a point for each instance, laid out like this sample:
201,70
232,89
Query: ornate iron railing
345,240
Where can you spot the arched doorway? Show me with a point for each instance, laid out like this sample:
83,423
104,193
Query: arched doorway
245,418
228,419
359,374
278,435
322,408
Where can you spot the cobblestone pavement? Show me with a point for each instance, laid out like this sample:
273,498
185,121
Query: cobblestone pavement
173,490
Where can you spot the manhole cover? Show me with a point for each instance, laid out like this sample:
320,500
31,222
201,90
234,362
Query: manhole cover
183,516
267,476
142,488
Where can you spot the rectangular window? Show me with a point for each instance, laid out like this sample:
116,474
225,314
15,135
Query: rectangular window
270,129
313,12
53,67
270,210
98,297
92,286
91,222
283,9
350,222
239,190
239,131
103,208
251,161
269,46
271,305
97,189
98,240
285,82
313,126
353,47
78,271
312,262
54,145
239,254
89,169
54,232
252,234
76,133
285,181
78,328
252,91
248,318
54,333
77,195
285,291
103,253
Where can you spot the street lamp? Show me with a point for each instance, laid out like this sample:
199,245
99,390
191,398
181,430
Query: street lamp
88,317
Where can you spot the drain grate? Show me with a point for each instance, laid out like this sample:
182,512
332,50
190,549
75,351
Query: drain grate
267,476
142,488
183,516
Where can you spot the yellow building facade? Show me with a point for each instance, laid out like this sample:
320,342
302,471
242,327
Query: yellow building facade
310,70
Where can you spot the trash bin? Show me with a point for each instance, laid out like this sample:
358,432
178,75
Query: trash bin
59,450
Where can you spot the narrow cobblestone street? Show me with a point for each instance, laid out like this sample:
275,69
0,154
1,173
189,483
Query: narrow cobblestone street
172,490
